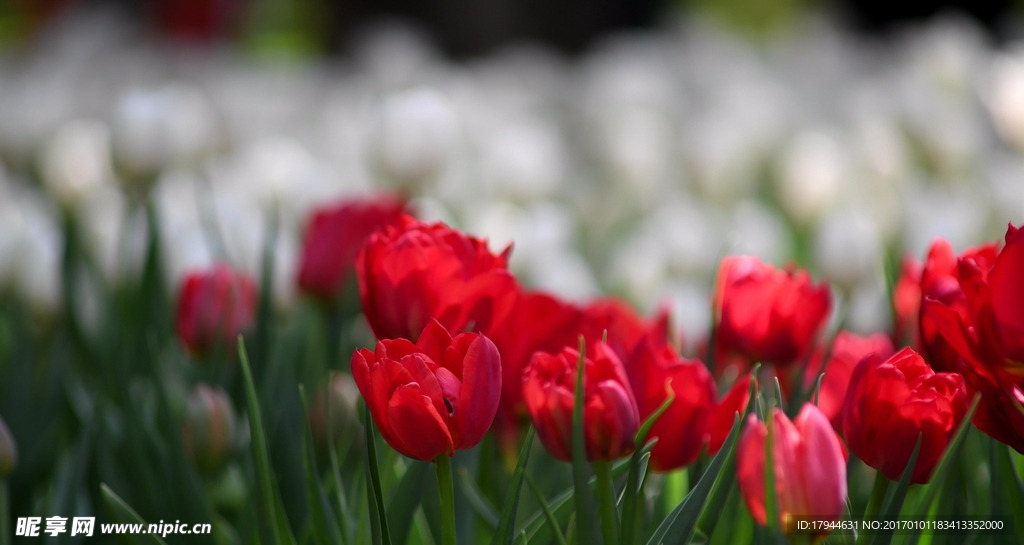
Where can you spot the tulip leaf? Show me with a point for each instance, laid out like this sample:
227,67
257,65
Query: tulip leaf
535,526
506,524
585,510
378,514
549,517
405,499
711,491
894,502
633,488
680,524
269,500
477,502
942,469
320,513
124,512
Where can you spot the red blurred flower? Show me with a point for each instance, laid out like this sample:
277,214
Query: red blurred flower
982,333
724,414
610,414
809,467
433,397
654,371
539,322
848,349
412,272
766,314
939,282
214,306
906,302
625,328
333,238
891,402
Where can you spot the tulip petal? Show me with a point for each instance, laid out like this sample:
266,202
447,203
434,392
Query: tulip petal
481,389
419,431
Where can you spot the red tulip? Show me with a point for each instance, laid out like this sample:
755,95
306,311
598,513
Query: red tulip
682,430
433,397
939,282
539,323
848,349
413,272
980,332
214,306
724,414
809,467
766,314
333,238
610,414
891,402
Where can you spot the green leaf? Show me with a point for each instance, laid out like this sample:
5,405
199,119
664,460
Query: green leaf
560,506
123,513
634,488
894,503
324,528
711,491
585,511
477,502
269,502
378,515
549,517
942,469
506,524
406,499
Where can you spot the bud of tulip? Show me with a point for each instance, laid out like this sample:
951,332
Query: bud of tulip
809,467
610,414
891,402
433,397
209,429
214,307
8,451
333,238
332,412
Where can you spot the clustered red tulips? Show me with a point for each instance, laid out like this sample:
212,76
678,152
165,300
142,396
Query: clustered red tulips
491,354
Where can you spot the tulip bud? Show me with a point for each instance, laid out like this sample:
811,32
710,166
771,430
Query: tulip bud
209,429
332,413
214,307
434,397
76,161
8,451
333,238
610,414
809,467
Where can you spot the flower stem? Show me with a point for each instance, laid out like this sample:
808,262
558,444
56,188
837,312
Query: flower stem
606,500
447,494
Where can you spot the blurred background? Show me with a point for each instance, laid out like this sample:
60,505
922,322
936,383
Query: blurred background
624,146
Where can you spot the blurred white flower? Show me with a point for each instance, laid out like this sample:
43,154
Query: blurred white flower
847,248
1004,96
812,169
417,133
76,161
154,129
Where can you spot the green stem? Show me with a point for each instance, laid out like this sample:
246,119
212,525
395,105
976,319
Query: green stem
447,494
878,491
606,500
5,514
